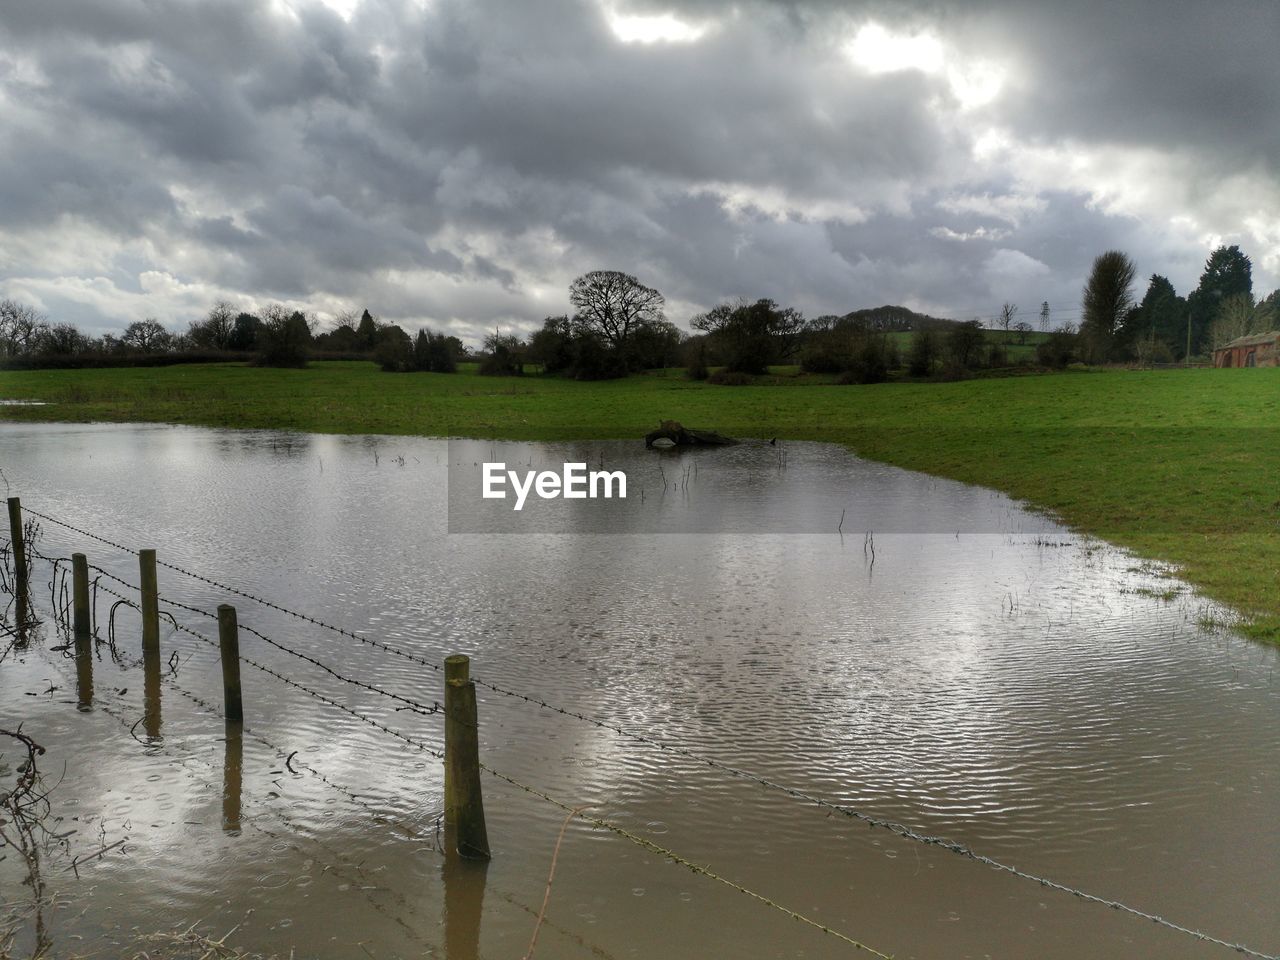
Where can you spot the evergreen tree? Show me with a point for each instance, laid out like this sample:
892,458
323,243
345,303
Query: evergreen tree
1227,273
422,351
441,355
367,331
1107,298
1160,317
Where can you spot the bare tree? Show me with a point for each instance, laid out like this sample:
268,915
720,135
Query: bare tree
21,328
613,304
1238,316
216,328
346,318
62,339
1008,313
1023,329
284,337
753,335
147,335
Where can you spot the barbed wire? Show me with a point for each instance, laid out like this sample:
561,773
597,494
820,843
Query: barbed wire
597,822
898,829
432,842
202,702
423,661
671,855
250,822
379,816
901,830
415,705
421,745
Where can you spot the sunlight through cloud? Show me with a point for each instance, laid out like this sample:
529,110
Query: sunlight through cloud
664,28
877,50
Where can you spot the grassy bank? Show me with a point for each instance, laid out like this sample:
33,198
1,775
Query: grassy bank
1178,465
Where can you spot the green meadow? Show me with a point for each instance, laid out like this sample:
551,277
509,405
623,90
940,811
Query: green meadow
1181,466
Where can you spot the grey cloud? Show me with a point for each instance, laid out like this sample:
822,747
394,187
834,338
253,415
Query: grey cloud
498,147
1173,75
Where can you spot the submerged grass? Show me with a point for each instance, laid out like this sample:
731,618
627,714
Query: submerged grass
1181,466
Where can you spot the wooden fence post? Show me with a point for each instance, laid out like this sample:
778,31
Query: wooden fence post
82,629
150,590
463,805
229,645
150,605
81,620
19,545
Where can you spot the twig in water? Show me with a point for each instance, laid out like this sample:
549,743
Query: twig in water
94,856
546,897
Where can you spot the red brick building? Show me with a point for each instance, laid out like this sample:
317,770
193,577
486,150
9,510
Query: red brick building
1255,350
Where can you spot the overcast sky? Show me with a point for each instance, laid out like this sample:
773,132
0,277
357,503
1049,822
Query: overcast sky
455,163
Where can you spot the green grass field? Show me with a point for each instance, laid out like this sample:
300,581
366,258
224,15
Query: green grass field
1178,465
1017,347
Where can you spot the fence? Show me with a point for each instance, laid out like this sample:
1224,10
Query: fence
466,832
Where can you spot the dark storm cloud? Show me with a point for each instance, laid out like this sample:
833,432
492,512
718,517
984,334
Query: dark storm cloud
1171,73
457,162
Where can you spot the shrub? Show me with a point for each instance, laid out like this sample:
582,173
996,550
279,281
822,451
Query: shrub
553,346
925,351
730,378
826,352
1059,349
500,363
596,360
394,352
964,344
750,336
283,338
696,359
870,364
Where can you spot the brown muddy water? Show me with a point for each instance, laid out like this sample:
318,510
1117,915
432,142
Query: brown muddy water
980,675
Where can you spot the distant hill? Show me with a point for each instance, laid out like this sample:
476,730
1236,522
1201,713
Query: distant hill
894,319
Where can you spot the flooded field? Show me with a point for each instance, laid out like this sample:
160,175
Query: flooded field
946,661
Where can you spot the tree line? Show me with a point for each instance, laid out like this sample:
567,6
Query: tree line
1166,327
274,336
618,326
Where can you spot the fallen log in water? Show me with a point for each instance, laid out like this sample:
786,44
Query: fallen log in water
683,436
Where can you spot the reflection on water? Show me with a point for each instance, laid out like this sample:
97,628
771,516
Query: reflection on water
151,703
1046,701
232,776
84,674
464,881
